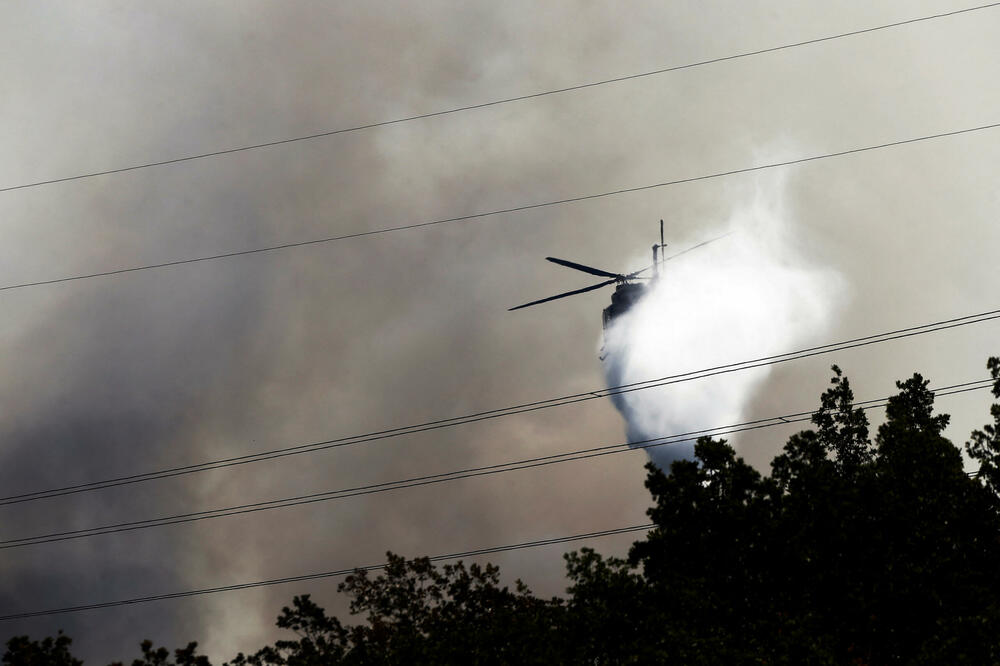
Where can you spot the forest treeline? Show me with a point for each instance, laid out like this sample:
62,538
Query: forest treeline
856,548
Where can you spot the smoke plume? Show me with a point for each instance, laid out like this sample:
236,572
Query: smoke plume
747,295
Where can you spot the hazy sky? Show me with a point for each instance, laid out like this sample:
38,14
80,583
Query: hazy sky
126,374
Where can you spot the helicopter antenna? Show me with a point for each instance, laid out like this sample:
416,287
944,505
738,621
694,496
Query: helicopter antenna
662,247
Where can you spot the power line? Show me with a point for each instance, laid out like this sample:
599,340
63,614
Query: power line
329,574
507,100
503,211
507,411
325,574
433,479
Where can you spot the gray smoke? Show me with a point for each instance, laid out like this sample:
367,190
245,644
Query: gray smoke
172,367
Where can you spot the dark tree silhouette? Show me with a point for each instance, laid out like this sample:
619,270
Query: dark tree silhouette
419,614
161,656
851,552
21,651
984,445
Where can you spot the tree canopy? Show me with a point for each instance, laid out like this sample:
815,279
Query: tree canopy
852,550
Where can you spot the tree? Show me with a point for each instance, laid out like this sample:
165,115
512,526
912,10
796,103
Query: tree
418,614
610,617
871,552
984,446
161,656
22,651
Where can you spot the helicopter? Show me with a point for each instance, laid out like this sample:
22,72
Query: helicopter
629,287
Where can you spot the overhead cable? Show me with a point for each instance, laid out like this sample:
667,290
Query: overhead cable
432,479
502,211
506,100
325,574
506,411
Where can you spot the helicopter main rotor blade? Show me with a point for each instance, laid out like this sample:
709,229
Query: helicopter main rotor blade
568,293
581,267
695,247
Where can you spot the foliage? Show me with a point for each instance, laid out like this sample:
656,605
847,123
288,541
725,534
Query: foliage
161,656
985,444
22,651
853,550
419,614
850,552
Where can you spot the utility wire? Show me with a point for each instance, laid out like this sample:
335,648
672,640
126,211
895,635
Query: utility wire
326,574
507,100
503,211
506,411
329,574
487,470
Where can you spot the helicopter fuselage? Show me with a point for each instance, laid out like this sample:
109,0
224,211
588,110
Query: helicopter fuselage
626,295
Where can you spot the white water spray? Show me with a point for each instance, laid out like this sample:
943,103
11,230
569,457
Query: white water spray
746,296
